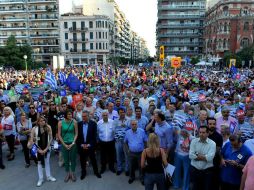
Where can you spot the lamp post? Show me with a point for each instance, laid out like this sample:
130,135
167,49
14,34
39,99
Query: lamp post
25,58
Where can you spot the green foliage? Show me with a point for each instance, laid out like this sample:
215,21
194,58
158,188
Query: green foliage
194,60
12,54
230,55
246,54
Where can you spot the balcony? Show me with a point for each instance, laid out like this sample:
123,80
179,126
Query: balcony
173,26
44,44
13,27
44,36
16,36
44,18
12,19
187,43
78,40
9,2
180,7
44,27
42,9
192,52
41,1
78,29
185,34
14,10
174,16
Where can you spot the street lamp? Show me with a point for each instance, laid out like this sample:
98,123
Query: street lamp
25,57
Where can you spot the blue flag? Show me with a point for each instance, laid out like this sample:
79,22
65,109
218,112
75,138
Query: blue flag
233,71
51,80
73,83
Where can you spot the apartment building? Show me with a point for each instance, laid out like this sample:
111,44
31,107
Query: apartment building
86,39
229,27
180,27
33,22
122,43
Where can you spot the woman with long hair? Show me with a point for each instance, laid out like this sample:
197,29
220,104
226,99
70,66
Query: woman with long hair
24,127
8,124
41,137
67,134
78,112
152,161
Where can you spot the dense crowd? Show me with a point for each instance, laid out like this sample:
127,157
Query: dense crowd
200,121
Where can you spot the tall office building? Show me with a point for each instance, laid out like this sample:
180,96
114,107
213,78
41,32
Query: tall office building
34,22
180,26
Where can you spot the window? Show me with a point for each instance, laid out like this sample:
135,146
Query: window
96,45
103,45
74,25
82,25
99,45
83,46
245,42
106,24
66,36
246,26
103,35
83,36
99,35
65,25
66,46
91,45
75,47
102,24
106,45
90,24
74,36
106,35
91,35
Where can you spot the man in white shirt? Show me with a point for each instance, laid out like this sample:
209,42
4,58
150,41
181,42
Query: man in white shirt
112,114
105,128
202,152
144,102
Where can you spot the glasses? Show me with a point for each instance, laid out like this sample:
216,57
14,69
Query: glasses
31,107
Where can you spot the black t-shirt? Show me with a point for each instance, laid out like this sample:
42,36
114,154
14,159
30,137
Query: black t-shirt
217,138
33,117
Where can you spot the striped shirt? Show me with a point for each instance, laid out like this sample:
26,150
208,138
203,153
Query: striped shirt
121,126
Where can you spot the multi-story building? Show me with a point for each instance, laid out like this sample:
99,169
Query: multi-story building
33,22
144,52
180,26
122,32
86,39
229,27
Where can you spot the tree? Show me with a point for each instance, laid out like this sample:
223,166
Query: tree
246,54
12,54
230,55
194,60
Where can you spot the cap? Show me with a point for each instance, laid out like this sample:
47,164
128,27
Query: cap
240,113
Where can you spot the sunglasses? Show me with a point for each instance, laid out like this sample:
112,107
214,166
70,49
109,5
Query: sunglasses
31,107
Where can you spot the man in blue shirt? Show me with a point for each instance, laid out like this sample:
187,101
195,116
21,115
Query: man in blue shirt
142,120
135,142
234,156
21,107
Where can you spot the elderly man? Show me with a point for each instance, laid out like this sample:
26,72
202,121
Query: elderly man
225,119
234,157
135,142
112,114
105,128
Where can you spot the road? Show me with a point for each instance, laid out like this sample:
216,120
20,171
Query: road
16,176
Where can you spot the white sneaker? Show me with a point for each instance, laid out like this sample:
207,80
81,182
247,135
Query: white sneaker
39,183
50,178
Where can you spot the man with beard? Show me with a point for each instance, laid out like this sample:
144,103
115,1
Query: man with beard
217,138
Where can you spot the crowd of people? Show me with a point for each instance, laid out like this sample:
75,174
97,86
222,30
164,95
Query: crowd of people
132,118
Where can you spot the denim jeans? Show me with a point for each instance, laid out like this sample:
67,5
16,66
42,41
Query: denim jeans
121,156
181,161
1,154
152,178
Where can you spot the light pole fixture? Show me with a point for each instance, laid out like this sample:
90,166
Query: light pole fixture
25,58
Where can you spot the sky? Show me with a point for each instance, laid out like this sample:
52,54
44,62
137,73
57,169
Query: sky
142,15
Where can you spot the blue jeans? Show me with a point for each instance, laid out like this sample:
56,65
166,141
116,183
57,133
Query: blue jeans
121,156
152,178
181,161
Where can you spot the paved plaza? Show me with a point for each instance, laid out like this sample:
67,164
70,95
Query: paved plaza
17,177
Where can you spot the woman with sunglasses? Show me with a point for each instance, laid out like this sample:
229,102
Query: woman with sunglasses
8,124
67,134
41,137
24,128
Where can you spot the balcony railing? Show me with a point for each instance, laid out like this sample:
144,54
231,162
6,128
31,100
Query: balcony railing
13,27
173,16
78,40
12,19
180,7
187,43
78,29
43,35
178,34
43,27
180,25
44,44
12,1
41,1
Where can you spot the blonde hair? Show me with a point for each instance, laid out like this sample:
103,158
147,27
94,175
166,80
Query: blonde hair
153,144
9,110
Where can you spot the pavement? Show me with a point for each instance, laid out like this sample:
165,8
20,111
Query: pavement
16,176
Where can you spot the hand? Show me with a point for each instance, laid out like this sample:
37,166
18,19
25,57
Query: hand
85,146
223,162
232,162
66,146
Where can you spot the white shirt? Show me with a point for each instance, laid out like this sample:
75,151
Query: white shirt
8,125
208,149
114,115
106,130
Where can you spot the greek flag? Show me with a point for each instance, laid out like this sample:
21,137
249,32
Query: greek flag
51,80
62,78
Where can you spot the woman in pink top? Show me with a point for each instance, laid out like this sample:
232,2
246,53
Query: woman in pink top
248,175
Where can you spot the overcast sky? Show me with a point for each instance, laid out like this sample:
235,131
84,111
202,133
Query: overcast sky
142,15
